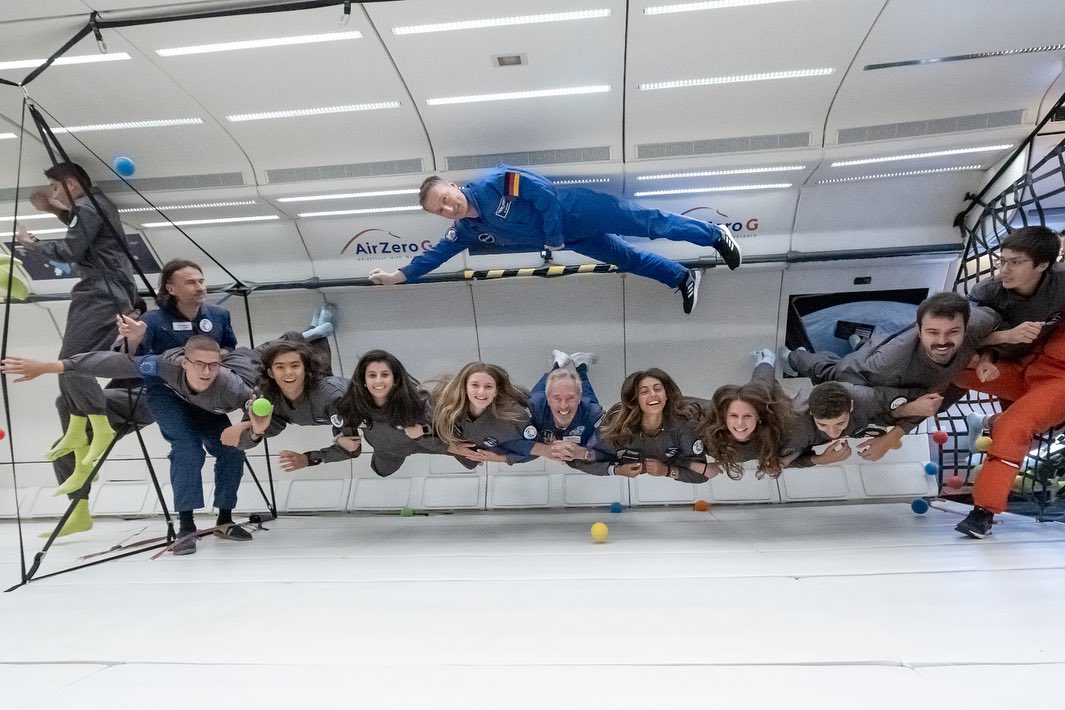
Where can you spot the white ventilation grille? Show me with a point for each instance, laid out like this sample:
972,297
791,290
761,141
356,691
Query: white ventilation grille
351,170
530,157
951,124
176,182
710,146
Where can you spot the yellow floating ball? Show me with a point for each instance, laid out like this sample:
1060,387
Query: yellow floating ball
599,532
983,443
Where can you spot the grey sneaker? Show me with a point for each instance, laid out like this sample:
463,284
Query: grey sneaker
765,355
185,544
560,358
783,356
585,359
974,422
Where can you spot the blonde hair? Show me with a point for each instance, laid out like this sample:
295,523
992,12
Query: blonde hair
452,402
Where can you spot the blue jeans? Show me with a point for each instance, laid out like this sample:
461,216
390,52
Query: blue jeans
192,432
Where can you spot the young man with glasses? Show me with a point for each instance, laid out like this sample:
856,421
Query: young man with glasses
1022,363
208,386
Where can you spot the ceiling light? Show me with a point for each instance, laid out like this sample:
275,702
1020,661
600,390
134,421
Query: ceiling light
724,188
907,173
347,195
370,210
914,156
258,43
506,96
964,57
500,22
220,220
709,5
7,136
193,206
28,217
582,181
737,79
62,230
714,173
78,59
312,111
130,124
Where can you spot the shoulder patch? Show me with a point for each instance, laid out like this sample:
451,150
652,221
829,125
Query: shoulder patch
149,366
450,235
898,402
337,421
530,432
491,442
512,183
697,447
599,421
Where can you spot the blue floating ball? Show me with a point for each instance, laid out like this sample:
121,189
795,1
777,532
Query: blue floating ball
616,507
919,506
931,469
124,166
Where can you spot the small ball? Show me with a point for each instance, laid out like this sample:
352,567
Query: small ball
931,469
616,507
701,506
124,166
919,506
954,482
2,434
599,532
940,437
262,407
983,443
406,512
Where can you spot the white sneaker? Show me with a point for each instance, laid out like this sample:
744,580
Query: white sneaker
561,359
764,355
785,364
974,422
585,359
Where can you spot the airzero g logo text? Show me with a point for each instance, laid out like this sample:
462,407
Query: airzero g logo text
377,244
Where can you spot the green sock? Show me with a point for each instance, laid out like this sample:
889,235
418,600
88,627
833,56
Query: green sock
73,438
78,477
80,520
102,436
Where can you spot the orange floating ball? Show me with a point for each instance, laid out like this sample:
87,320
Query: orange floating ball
701,506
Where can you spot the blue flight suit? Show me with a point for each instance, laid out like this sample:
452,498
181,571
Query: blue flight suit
583,430
189,429
534,214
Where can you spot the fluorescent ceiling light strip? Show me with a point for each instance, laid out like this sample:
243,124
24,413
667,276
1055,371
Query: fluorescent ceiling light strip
61,61
161,123
63,230
582,181
708,5
324,110
724,188
28,217
258,43
194,206
7,136
220,220
348,195
907,173
914,156
370,210
501,22
506,96
737,79
714,173
964,57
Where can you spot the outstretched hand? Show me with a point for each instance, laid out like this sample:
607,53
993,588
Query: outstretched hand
29,369
387,278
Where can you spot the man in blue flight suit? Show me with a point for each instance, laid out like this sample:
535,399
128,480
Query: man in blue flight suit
513,207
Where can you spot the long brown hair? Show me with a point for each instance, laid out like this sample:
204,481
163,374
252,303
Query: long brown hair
623,420
452,402
773,409
406,401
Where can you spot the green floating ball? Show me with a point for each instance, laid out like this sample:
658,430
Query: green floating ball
262,407
406,512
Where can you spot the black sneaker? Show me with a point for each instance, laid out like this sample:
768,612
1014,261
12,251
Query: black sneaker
977,523
689,289
185,544
232,531
728,249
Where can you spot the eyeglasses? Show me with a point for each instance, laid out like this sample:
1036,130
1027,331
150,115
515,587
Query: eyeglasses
204,366
999,263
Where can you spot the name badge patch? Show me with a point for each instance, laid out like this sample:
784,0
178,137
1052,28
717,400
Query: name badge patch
181,325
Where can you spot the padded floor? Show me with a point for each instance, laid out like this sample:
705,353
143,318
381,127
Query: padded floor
833,606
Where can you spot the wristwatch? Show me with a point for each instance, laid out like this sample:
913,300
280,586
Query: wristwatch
313,457
674,472
426,430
